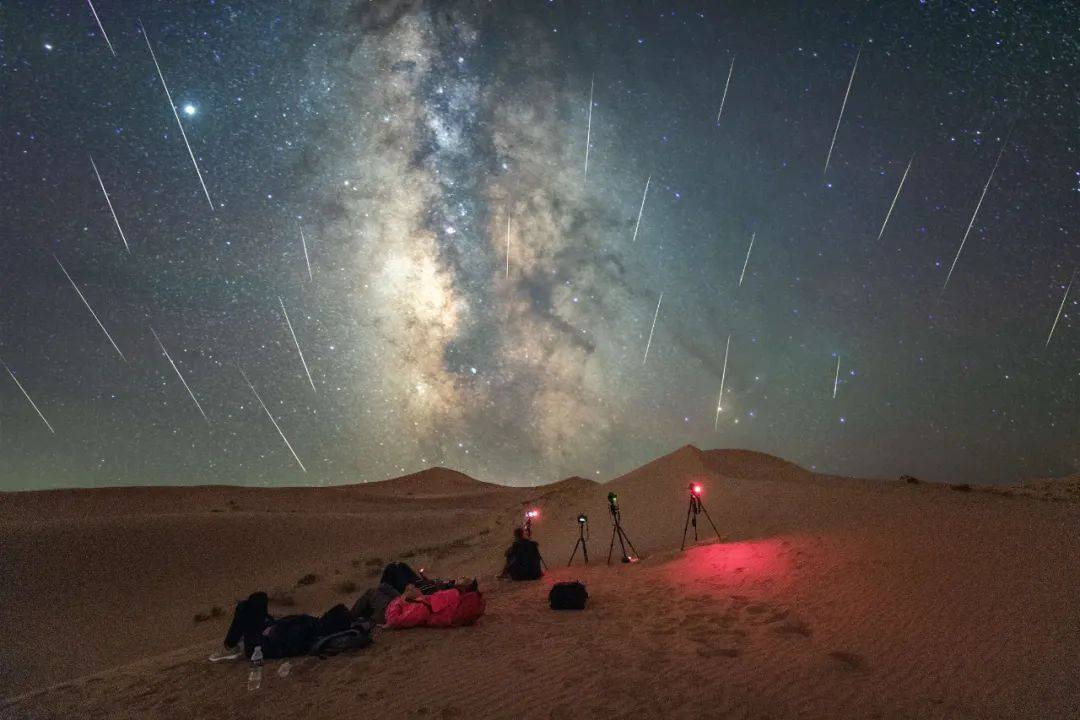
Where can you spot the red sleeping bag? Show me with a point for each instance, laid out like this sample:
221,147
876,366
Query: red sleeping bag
445,608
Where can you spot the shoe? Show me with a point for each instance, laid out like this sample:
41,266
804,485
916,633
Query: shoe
227,653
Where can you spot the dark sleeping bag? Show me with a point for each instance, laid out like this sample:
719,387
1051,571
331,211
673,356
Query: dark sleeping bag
290,636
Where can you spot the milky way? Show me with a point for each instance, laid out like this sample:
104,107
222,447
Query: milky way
461,296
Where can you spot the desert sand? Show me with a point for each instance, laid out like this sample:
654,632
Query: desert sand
826,597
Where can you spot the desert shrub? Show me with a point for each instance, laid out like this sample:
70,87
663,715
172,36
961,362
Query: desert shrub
309,579
961,487
282,597
345,587
373,562
214,613
910,480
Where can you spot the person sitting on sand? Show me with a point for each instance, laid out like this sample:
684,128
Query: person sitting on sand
522,558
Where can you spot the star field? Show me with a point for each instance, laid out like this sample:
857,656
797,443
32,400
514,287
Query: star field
463,295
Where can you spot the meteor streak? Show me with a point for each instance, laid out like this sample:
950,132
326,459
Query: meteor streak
109,203
303,241
28,399
588,132
723,377
101,27
897,195
172,106
179,375
642,208
836,380
726,84
87,304
651,330
975,214
272,420
297,342
842,106
747,261
508,245
1058,316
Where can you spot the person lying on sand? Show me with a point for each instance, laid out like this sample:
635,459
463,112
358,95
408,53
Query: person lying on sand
522,559
398,575
459,605
250,618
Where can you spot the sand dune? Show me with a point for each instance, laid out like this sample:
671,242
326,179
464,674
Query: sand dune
829,597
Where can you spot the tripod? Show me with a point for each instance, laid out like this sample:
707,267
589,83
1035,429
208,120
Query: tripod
617,530
692,512
583,534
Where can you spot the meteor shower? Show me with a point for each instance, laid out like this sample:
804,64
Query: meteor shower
539,359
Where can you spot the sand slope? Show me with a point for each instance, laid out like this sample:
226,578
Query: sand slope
829,598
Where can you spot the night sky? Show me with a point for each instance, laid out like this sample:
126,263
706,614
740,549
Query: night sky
402,138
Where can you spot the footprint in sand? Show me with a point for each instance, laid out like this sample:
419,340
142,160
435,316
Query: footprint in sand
793,627
847,660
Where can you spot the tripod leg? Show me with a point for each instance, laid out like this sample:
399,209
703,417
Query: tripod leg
624,536
571,560
711,522
585,551
686,527
622,545
611,547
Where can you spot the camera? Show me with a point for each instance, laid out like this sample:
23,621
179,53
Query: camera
582,519
613,501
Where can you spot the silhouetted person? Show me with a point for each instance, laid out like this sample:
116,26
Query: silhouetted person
522,558
250,618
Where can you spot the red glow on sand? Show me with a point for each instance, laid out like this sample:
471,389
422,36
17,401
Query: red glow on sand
732,563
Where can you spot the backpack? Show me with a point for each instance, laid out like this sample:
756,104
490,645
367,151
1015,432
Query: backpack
355,638
335,620
568,596
290,636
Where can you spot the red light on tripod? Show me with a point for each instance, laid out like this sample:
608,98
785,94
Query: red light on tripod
696,488
532,514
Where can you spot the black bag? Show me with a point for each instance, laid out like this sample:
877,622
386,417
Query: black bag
290,636
568,596
335,620
356,637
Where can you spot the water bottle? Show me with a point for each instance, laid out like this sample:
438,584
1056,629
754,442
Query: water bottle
255,674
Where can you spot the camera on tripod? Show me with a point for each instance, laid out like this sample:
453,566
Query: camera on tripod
583,536
696,508
530,515
613,503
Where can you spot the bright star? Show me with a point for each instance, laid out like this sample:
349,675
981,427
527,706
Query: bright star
189,109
